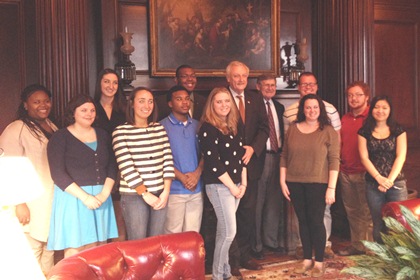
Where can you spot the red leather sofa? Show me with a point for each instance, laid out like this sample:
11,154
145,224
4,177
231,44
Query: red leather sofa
172,256
392,209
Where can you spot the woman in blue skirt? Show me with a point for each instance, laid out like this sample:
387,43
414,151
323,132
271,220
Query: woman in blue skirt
83,168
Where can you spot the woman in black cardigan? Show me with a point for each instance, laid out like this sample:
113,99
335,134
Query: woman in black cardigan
83,168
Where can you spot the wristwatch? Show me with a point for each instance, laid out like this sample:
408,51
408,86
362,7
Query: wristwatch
141,190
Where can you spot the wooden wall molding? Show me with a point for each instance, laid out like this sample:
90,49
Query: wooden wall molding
402,5
342,49
63,54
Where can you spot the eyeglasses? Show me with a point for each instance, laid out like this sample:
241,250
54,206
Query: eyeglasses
308,84
188,76
357,95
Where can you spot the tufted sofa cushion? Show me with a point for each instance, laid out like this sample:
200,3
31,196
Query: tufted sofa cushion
392,209
172,256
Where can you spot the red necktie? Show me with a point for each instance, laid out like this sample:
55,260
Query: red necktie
273,138
241,108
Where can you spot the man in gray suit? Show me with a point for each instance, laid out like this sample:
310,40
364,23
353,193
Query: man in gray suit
270,229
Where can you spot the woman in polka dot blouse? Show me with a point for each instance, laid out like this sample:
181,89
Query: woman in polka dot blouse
224,173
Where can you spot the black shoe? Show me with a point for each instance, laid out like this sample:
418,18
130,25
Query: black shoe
257,255
278,250
251,265
208,270
350,251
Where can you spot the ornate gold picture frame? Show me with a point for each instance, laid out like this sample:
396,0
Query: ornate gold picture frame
208,34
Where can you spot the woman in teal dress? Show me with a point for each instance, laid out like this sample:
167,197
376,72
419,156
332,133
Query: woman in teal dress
83,169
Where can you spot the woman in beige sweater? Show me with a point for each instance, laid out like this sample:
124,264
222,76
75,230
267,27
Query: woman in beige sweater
308,176
28,136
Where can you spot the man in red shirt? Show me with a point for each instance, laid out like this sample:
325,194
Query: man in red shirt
352,172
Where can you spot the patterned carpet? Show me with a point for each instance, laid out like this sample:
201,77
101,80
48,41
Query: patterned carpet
284,270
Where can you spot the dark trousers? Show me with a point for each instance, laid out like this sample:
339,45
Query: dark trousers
308,200
270,210
245,221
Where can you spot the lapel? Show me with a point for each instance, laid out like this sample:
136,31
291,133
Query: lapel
280,110
241,124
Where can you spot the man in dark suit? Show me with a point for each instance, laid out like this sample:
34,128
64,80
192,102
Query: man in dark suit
185,76
270,201
254,123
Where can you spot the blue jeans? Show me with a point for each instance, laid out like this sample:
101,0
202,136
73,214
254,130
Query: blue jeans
377,199
140,219
225,205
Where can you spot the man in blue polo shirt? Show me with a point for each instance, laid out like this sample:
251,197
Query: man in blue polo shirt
185,204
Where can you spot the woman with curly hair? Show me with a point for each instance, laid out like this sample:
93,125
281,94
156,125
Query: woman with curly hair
28,136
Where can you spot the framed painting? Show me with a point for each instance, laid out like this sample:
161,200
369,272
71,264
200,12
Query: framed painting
208,34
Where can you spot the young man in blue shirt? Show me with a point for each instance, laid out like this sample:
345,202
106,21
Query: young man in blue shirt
185,204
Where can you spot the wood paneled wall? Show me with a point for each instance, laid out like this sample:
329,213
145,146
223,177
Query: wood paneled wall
397,60
18,54
342,32
65,43
63,34
376,41
52,42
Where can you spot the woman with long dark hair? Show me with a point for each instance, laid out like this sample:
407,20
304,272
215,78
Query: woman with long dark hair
110,112
145,162
109,101
383,150
28,136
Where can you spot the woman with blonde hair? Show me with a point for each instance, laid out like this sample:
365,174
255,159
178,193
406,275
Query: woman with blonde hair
224,173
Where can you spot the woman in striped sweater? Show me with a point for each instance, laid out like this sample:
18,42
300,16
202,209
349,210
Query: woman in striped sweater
144,159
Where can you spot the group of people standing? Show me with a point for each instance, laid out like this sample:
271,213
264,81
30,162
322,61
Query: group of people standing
366,152
119,169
